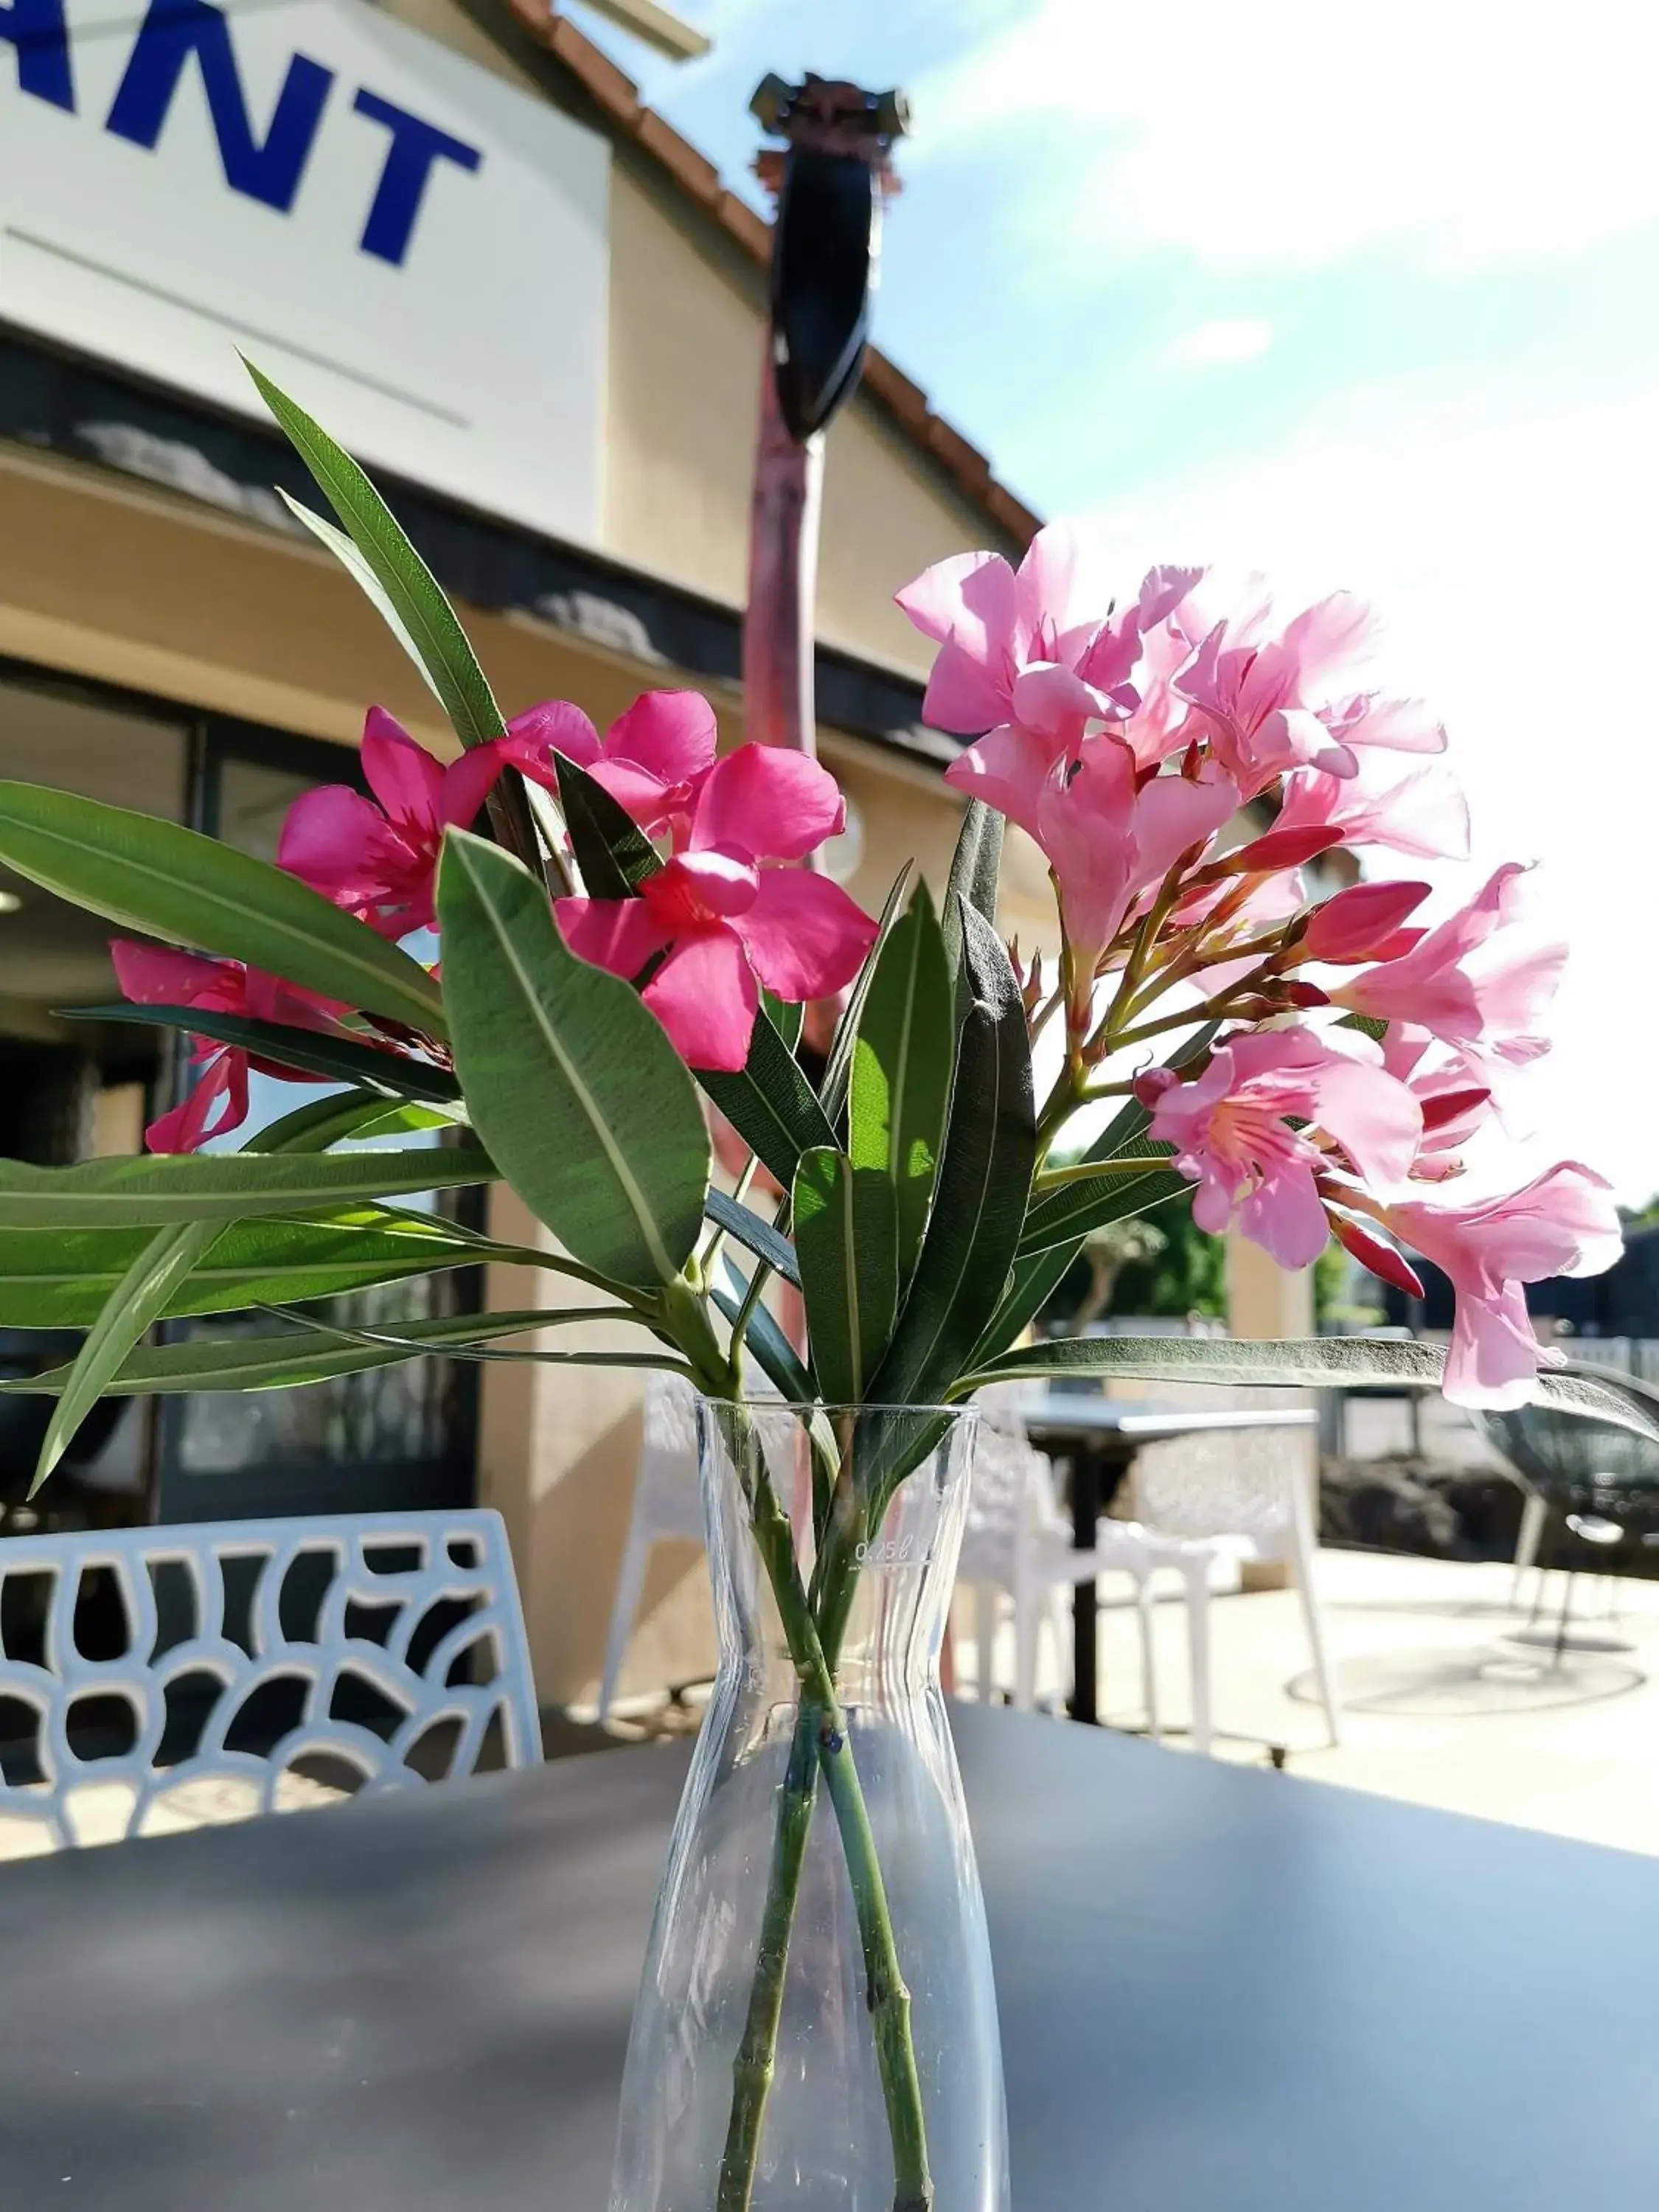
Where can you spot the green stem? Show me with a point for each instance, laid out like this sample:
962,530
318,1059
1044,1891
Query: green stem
821,1723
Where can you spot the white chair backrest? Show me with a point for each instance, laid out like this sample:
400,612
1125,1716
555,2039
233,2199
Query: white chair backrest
1227,1482
666,1499
387,1648
1009,1498
1001,1407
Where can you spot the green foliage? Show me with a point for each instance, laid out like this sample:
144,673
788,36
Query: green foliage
847,1235
902,1069
569,1078
174,884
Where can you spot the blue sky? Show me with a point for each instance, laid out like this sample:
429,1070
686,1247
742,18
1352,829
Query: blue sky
1357,295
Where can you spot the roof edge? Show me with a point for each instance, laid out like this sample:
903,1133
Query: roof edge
903,400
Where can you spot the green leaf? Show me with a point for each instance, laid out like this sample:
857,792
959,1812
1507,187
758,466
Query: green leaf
757,1236
770,1104
336,1059
424,621
838,1066
174,884
345,552
614,855
902,1069
845,1227
1034,1281
141,1296
1070,1212
975,874
984,1179
785,1015
1342,1363
779,1361
570,1080
148,1191
52,1279
296,1356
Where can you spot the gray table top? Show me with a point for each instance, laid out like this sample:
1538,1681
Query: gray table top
1223,1991
1071,1413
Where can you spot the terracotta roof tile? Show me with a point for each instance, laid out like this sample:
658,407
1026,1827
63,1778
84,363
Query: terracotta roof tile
618,97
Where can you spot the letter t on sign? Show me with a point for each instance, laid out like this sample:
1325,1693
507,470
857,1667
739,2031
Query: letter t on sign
415,150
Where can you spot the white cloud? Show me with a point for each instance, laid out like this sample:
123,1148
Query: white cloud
1231,338
1290,133
1508,548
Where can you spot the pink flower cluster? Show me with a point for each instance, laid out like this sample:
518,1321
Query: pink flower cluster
1356,1051
717,920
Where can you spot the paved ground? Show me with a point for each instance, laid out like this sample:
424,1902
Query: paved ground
1440,1707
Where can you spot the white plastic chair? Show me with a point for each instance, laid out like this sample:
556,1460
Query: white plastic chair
1018,1543
411,1621
1235,1494
667,1503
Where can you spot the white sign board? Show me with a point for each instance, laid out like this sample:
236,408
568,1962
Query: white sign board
413,247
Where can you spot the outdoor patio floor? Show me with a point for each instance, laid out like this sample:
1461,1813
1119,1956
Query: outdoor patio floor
1438,1708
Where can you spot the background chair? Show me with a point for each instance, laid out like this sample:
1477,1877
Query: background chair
667,1503
1587,1485
1241,1495
1017,1544
142,1670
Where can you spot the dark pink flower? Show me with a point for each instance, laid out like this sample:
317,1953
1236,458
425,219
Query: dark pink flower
726,922
152,975
1232,1131
1358,923
380,862
652,760
1562,1223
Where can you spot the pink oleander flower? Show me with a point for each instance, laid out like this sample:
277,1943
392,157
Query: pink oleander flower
1456,1097
726,922
1267,702
1231,1130
1479,982
1020,670
651,760
1562,1223
152,975
1108,841
380,862
1422,813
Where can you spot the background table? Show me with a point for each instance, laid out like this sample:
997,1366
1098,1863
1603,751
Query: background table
1223,1991
1100,1436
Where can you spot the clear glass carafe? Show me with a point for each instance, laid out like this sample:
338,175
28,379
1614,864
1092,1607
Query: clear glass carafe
817,2026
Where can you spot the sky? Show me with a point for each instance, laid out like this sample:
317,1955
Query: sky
1360,297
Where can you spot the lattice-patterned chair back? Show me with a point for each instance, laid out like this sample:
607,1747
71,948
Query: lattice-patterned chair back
1224,1482
153,1678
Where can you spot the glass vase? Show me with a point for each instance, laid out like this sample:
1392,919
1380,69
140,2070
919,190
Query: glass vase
817,2024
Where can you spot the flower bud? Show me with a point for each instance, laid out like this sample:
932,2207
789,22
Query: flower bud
1382,1259
1358,921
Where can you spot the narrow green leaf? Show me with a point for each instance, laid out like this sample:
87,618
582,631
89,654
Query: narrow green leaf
53,1278
570,1080
845,1224
984,1179
141,1296
615,857
1035,1280
975,875
1076,1209
902,1069
295,1358
336,1059
174,884
770,1104
785,1015
779,1361
151,1191
758,1236
345,552
838,1066
1343,1363
425,624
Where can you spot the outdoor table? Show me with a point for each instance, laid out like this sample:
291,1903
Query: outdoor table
1100,1436
1222,1990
